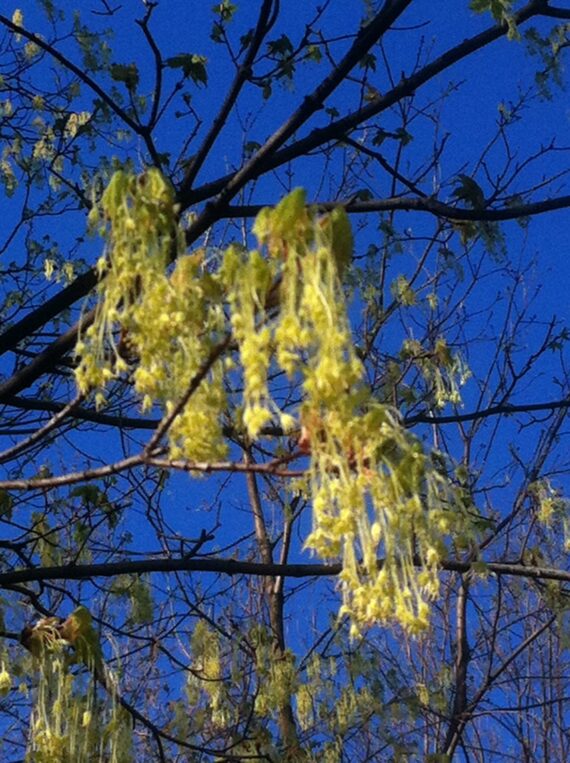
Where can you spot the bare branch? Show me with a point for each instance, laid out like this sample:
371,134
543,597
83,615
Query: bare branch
336,130
423,204
237,567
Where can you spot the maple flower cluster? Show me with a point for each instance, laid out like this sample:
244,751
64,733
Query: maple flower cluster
163,322
376,494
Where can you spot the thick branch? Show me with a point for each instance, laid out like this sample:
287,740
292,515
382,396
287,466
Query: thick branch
505,409
275,468
312,103
336,130
132,422
80,287
235,567
45,361
461,664
556,13
424,204
39,434
82,413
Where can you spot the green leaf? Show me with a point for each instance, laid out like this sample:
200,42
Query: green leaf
141,601
480,568
368,62
498,8
379,137
314,53
126,73
251,147
470,191
217,33
501,12
225,10
403,136
403,292
246,38
193,66
79,631
281,47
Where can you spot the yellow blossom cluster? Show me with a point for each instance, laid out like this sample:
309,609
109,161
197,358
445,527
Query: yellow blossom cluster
376,495
248,278
288,308
375,492
163,323
67,724
207,675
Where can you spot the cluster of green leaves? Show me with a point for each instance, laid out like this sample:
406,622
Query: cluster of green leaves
501,10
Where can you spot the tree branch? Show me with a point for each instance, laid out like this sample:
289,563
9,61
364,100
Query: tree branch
264,24
336,130
505,409
45,361
274,468
81,413
556,13
452,745
80,287
80,73
236,567
312,103
423,204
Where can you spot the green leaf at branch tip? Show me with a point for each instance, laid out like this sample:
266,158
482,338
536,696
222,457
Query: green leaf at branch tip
500,11
283,219
403,291
193,66
401,134
368,62
281,47
127,73
50,11
496,7
314,54
470,191
251,147
225,10
363,194
267,90
78,630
